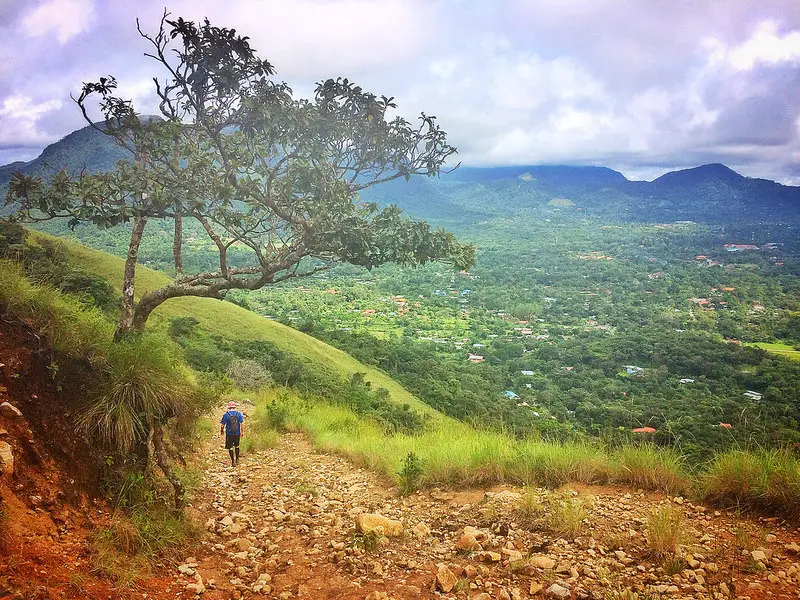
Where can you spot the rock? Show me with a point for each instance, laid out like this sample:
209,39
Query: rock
186,570
6,459
368,522
758,555
377,596
475,532
468,543
503,594
481,596
536,587
558,591
792,547
421,530
195,588
9,411
243,544
771,537
445,579
240,557
490,556
470,572
227,521
542,562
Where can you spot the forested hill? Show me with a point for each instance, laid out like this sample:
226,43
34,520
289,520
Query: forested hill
85,148
710,193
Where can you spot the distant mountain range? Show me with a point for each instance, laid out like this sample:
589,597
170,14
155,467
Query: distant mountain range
709,193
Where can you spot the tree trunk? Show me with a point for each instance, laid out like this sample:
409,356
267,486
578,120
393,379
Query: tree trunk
163,463
126,316
177,241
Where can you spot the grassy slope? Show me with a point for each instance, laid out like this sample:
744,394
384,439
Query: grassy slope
779,349
234,323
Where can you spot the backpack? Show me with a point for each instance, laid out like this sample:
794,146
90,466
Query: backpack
233,420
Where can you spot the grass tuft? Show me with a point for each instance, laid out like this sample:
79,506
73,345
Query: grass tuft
665,531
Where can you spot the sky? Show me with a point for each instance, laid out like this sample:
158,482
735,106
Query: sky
643,87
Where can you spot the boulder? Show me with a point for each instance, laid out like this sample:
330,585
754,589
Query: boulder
9,411
445,578
369,522
6,459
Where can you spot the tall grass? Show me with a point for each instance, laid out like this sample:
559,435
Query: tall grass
765,480
454,454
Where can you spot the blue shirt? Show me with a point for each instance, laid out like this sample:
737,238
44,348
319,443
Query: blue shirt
232,421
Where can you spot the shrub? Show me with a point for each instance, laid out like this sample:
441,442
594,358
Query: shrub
248,374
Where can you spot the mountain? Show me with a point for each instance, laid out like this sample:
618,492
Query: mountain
710,193
85,148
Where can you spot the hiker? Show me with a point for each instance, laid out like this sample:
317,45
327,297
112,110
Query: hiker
232,424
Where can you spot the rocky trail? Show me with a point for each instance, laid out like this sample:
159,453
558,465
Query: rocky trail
290,522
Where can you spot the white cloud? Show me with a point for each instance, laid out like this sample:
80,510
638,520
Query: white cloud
766,46
64,18
19,116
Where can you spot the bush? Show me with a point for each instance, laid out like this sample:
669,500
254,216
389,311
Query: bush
249,375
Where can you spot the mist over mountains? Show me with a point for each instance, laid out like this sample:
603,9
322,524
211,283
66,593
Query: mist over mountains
710,193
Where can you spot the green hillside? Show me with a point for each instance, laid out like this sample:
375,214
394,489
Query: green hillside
232,323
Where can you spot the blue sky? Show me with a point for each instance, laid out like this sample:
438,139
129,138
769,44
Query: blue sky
642,87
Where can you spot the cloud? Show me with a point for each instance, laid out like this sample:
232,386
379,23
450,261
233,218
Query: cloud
766,46
64,18
19,116
643,87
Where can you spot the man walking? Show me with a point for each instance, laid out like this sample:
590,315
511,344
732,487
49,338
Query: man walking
232,424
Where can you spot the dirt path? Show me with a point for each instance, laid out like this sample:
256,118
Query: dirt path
282,525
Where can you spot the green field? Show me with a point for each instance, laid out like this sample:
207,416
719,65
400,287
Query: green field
779,349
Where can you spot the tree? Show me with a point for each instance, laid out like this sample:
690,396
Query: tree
255,167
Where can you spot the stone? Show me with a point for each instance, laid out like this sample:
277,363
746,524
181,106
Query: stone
503,594
475,532
421,530
468,543
6,459
243,544
558,591
793,547
758,555
536,587
227,521
377,596
542,562
481,596
445,578
369,522
9,411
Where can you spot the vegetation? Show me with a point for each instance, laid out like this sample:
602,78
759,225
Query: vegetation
257,169
665,531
